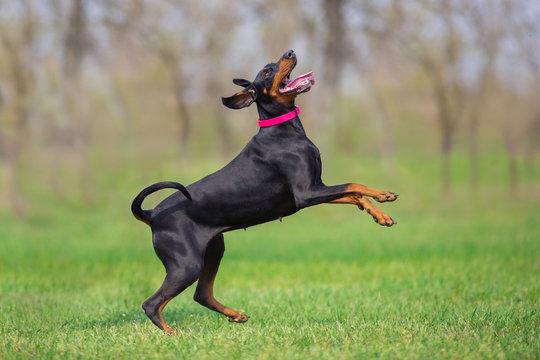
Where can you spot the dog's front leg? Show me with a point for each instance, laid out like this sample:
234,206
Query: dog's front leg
364,204
318,194
380,196
310,195
339,194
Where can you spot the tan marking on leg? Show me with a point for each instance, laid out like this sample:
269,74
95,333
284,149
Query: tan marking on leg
380,196
206,286
364,204
380,217
349,199
166,327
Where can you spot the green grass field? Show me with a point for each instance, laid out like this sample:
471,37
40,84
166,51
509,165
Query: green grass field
458,277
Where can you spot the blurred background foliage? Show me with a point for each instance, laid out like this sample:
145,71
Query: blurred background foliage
100,98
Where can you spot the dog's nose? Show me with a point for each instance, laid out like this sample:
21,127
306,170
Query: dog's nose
290,54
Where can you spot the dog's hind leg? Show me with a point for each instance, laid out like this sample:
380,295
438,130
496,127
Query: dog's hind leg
183,263
204,294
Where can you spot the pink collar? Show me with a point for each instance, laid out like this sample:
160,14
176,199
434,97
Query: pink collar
280,119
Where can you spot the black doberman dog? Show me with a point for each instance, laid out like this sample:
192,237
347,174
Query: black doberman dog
275,175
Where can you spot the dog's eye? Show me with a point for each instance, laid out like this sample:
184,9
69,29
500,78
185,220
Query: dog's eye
267,73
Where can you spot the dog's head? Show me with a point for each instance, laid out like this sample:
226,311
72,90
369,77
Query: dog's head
272,87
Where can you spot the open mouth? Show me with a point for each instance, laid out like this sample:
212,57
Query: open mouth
297,85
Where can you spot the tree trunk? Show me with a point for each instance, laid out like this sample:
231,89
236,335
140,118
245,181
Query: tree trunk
334,57
11,147
446,127
76,47
512,173
382,121
473,150
224,132
446,149
9,180
184,117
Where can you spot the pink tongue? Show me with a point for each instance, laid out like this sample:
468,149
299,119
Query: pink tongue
301,81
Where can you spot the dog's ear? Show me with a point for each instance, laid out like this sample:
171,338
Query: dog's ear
241,99
241,82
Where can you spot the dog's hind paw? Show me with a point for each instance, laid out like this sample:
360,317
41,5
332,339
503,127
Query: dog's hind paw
240,318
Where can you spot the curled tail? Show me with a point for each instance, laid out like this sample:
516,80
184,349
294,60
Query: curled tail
144,215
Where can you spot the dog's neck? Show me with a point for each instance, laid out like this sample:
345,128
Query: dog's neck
269,111
280,119
286,129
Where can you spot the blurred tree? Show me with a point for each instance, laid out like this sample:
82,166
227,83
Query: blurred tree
76,47
279,26
336,55
18,39
212,19
429,36
487,25
334,46
167,41
121,21
525,29
374,56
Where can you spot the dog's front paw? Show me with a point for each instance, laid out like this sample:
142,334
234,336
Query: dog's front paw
380,217
385,196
